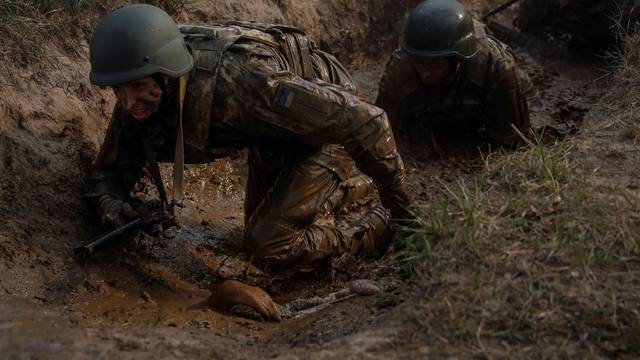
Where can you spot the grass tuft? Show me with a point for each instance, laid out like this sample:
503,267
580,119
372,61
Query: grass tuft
532,259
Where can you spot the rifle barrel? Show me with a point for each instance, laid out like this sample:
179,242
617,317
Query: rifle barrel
88,249
498,9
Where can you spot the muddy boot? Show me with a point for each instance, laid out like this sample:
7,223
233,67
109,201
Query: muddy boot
372,233
350,190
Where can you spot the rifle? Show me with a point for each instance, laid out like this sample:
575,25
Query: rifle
498,9
505,34
156,228
508,35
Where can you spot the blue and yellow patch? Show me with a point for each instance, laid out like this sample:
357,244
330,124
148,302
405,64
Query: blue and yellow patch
285,98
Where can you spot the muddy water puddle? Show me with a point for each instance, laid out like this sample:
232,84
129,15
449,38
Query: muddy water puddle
146,287
114,313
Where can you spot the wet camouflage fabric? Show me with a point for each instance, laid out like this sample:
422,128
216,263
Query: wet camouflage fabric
488,91
304,136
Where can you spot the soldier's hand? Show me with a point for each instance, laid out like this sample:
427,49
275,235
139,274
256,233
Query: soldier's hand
115,212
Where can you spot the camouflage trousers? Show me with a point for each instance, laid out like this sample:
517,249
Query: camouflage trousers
286,191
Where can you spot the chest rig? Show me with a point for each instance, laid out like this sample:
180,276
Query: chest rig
465,98
208,45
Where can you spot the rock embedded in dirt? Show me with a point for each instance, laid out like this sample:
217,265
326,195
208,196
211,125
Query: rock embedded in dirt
364,287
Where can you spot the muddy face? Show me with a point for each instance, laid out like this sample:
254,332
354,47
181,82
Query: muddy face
139,98
434,71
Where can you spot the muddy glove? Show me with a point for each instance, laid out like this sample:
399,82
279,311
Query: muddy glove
159,223
115,212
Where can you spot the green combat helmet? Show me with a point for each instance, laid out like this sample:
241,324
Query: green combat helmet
137,41
439,28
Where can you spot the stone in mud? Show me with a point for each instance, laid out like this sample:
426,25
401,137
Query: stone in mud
364,287
233,292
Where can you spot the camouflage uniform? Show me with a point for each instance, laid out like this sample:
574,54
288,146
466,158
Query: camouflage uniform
487,91
269,89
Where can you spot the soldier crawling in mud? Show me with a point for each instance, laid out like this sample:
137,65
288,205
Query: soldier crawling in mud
448,77
248,85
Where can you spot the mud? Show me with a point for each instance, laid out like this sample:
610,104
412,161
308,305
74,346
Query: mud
146,298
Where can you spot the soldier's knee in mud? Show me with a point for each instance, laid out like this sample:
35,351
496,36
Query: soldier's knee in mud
266,246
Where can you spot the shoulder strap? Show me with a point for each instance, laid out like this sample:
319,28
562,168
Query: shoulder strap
208,45
178,161
291,40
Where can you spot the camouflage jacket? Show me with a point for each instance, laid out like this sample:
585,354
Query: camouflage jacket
487,90
255,84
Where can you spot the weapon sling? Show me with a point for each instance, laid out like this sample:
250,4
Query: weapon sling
178,161
178,165
154,169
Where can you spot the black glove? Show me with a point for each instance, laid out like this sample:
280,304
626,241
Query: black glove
115,212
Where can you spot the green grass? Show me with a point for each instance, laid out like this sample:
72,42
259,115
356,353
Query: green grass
519,263
534,197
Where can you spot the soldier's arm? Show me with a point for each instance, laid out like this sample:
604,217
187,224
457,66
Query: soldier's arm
276,104
113,174
269,103
321,113
507,107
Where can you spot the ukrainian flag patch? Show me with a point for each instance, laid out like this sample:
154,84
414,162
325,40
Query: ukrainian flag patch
285,98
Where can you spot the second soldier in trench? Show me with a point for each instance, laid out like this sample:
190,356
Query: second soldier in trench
262,87
451,82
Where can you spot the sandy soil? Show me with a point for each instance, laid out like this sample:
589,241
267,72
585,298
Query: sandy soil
147,298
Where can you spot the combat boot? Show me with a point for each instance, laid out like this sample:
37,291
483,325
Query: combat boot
351,190
372,233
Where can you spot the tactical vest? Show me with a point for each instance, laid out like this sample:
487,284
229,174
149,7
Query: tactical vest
208,45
